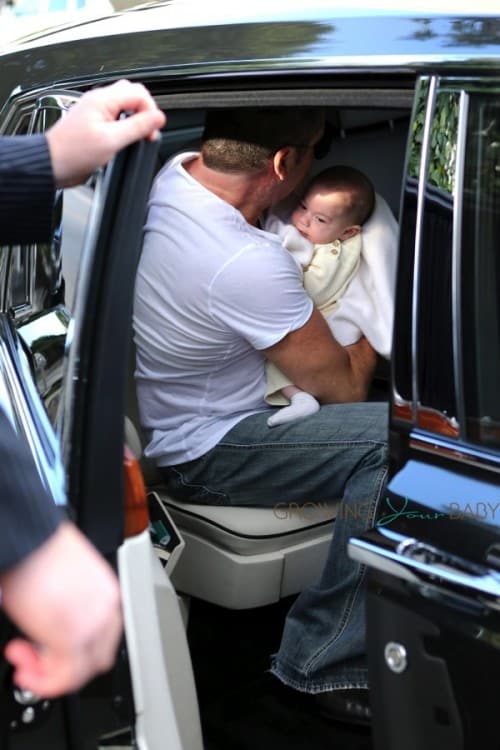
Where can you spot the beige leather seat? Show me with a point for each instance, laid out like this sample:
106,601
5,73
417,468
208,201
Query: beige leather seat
242,557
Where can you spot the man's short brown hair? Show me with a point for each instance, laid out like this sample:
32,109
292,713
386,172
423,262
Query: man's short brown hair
243,139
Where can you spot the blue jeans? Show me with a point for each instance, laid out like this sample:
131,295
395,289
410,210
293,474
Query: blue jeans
339,453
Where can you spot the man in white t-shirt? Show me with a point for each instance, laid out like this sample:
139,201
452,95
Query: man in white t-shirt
215,297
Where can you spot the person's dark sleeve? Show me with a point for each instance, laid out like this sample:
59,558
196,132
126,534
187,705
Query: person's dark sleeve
28,515
27,189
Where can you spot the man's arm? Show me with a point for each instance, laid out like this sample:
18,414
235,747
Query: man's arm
26,189
32,166
318,364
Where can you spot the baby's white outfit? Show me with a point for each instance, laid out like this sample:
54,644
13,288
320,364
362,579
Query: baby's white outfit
350,282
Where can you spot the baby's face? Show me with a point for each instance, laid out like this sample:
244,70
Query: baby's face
320,216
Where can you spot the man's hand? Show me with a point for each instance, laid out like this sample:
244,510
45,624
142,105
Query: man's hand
89,134
65,599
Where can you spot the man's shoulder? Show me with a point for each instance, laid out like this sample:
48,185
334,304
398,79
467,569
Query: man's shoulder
257,255
171,170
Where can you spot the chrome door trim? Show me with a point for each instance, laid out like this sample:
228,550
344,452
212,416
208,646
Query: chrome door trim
73,336
429,568
424,162
32,102
465,454
28,415
456,268
60,100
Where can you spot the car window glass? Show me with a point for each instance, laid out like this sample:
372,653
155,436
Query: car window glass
46,117
481,271
19,278
76,208
435,360
403,321
53,293
58,262
22,125
42,279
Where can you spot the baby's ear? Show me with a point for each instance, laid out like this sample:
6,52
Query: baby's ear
349,232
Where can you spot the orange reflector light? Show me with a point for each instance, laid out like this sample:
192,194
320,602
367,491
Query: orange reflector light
428,419
402,411
136,503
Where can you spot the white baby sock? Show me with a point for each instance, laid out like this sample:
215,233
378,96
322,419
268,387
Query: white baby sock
302,404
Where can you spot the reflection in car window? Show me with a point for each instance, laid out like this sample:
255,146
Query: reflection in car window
436,382
417,129
403,321
18,289
481,271
42,282
58,262
443,145
53,293
22,126
77,203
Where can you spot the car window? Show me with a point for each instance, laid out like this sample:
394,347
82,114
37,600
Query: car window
18,291
403,323
22,125
40,292
481,270
58,261
434,344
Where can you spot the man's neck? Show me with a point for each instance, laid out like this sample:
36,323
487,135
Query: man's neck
247,193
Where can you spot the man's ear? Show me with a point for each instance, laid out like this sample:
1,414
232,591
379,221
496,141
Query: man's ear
349,232
281,162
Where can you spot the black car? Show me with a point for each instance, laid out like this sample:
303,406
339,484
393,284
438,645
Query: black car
412,98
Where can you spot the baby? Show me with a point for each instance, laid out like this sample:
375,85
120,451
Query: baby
323,234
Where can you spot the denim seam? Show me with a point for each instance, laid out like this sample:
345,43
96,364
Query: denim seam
301,446
189,485
355,589
323,687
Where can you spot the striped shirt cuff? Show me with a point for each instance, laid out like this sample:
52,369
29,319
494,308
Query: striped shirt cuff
27,190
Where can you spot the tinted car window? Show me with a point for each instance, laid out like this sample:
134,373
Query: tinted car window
19,279
71,233
58,262
481,270
436,382
42,278
403,322
22,126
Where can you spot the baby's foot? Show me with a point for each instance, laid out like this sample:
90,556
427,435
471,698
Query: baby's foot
302,404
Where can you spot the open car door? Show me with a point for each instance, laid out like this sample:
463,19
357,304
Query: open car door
148,699
164,705
433,614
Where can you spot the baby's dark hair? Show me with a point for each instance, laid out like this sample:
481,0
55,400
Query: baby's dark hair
355,183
